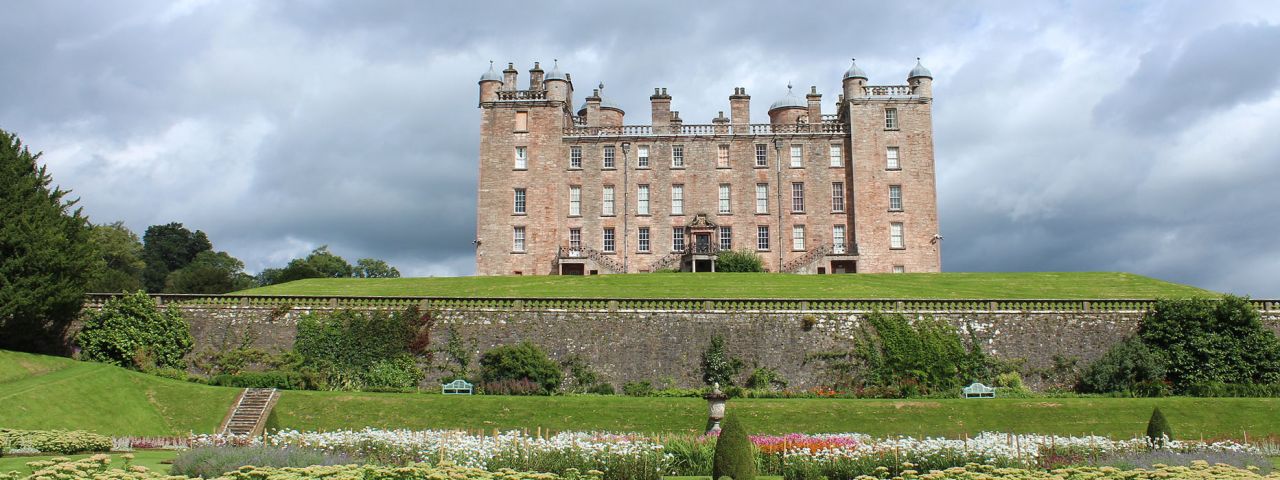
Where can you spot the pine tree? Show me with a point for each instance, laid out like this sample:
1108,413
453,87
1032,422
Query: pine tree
46,258
735,457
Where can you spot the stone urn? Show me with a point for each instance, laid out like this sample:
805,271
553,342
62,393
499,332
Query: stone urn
715,407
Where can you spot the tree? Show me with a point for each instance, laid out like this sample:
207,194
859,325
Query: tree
210,272
1208,340
327,264
734,455
374,268
120,263
167,248
131,331
523,361
718,366
1158,431
45,253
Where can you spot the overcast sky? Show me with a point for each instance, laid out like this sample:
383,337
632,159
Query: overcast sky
1110,135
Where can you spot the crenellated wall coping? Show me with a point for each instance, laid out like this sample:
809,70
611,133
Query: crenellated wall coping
96,300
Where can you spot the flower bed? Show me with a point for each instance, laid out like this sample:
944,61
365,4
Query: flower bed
34,442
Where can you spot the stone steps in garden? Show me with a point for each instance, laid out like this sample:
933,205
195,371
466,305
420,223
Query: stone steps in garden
248,416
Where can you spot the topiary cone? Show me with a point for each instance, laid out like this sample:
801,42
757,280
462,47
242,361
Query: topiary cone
1158,431
735,456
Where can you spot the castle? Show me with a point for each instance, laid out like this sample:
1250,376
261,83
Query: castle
576,191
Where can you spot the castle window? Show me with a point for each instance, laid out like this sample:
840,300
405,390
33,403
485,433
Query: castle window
608,246
643,245
677,199
575,200
642,200
519,201
726,238
837,196
762,155
575,157
762,198
608,157
895,198
517,239
797,197
899,269
895,236
677,239
722,156
837,239
677,156
724,198
642,156
522,158
762,237
891,158
837,158
890,119
797,238
797,156
607,208
575,241
522,121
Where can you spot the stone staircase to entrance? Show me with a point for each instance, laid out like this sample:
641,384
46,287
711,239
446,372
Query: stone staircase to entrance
248,416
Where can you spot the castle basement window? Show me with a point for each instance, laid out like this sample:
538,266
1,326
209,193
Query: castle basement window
797,156
575,200
895,198
722,156
677,156
519,202
643,245
606,209
575,157
896,241
890,119
762,237
522,158
608,243
522,122
642,200
517,239
608,162
642,156
899,269
891,159
762,155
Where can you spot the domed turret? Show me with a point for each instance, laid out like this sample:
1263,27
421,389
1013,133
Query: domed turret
557,83
854,71
490,82
921,80
491,75
788,109
854,81
611,115
555,73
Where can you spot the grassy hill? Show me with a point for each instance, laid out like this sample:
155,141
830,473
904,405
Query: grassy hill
39,392
1056,285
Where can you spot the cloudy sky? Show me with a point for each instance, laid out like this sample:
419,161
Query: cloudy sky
1111,135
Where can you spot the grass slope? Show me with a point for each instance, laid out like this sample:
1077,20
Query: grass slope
57,393
1070,285
1121,417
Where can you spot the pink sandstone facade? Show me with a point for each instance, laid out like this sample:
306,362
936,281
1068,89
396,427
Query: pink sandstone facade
567,190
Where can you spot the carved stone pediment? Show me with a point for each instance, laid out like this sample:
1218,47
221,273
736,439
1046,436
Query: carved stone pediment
701,222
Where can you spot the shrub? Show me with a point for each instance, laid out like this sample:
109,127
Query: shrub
523,361
739,261
602,389
766,378
400,372
352,350
54,441
637,389
280,380
211,462
1011,381
1211,340
718,366
1122,368
735,456
131,331
581,376
1158,431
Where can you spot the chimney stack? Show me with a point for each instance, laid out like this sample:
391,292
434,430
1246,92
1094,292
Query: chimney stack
740,106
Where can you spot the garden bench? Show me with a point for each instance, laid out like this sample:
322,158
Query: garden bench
456,387
978,390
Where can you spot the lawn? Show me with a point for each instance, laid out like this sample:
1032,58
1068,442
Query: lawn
147,458
1043,285
40,392
1119,417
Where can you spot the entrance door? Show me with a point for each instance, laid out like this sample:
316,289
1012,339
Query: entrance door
844,266
571,269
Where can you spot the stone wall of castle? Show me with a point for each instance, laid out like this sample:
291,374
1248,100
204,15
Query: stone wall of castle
665,346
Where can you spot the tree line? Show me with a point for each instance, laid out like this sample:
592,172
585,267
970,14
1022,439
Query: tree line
51,254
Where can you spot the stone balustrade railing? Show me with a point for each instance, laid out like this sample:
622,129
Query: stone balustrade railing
887,90
96,300
704,130
510,95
